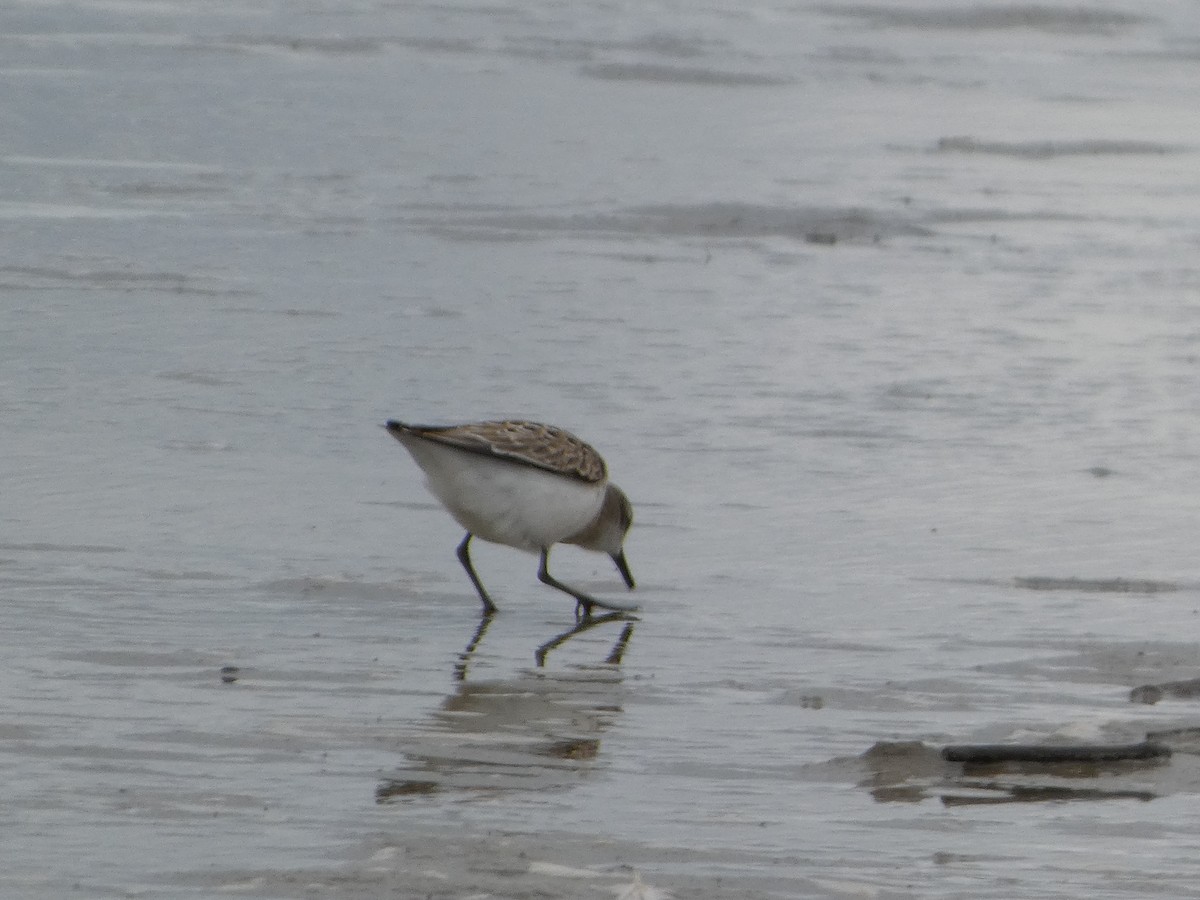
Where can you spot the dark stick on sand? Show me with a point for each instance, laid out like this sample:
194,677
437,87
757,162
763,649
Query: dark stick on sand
1054,753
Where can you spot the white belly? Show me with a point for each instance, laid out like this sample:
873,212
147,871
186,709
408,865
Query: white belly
504,502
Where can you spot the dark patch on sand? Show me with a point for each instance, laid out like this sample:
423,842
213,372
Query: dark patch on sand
1094,585
1053,149
1034,17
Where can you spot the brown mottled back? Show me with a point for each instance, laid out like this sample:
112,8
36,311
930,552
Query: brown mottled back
530,443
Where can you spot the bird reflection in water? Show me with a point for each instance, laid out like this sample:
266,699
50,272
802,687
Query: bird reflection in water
537,730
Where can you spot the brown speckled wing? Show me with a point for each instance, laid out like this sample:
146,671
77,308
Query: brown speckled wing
530,443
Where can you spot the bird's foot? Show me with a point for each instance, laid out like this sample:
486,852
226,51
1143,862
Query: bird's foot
583,608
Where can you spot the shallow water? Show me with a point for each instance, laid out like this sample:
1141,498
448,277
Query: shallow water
884,315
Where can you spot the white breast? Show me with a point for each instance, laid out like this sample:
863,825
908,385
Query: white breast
506,502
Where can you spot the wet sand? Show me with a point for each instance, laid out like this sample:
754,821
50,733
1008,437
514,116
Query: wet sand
885,318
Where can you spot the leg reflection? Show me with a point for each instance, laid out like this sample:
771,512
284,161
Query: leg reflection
534,729
588,624
464,658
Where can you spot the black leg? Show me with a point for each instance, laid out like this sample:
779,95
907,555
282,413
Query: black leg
464,557
582,600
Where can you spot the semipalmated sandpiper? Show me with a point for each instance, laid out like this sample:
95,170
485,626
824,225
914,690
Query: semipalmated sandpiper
524,485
